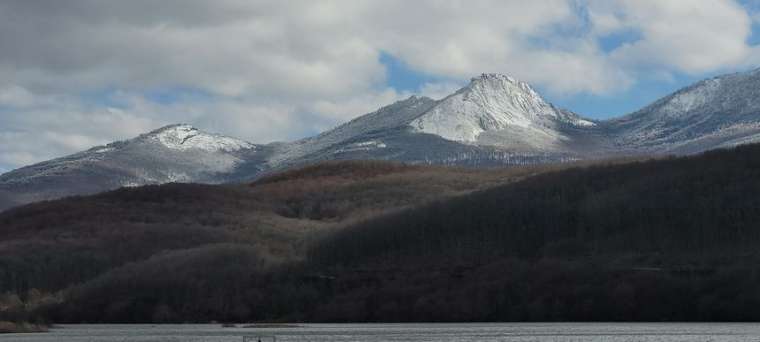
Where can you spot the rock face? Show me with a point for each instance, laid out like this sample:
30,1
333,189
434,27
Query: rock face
494,120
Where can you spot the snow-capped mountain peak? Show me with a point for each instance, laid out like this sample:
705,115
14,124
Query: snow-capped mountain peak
493,102
503,90
186,137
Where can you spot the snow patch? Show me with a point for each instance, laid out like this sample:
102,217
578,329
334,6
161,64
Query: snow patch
130,184
398,114
362,146
186,137
104,150
684,102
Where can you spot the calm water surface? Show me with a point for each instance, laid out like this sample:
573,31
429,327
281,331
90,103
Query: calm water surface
538,332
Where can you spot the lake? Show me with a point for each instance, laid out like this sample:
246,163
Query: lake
534,332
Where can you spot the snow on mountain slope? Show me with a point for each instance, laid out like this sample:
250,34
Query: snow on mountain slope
386,118
495,120
171,153
717,112
185,137
495,102
177,153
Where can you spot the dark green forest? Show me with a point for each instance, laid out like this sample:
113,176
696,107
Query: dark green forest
669,239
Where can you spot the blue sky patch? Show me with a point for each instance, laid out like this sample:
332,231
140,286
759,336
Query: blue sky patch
401,77
617,39
171,95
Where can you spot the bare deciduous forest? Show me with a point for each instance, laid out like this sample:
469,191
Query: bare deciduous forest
672,239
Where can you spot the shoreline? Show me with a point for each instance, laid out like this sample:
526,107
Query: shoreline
7,327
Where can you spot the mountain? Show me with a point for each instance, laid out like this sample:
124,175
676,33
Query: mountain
182,153
494,120
177,153
719,112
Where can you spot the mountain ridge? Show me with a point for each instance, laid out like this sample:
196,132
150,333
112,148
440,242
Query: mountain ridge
722,108
494,120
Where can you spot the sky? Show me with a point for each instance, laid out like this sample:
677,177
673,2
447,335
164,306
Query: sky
80,73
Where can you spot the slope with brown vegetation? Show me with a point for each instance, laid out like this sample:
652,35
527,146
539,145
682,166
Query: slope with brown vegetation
51,245
341,192
673,239
182,252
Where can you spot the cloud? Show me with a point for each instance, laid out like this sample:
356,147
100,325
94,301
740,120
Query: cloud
687,36
305,49
50,126
532,40
82,72
15,96
238,50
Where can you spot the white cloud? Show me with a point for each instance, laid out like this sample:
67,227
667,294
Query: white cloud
15,96
687,36
303,49
45,128
277,70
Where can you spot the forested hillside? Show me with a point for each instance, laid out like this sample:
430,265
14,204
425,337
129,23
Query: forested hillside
670,239
50,246
702,206
674,239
